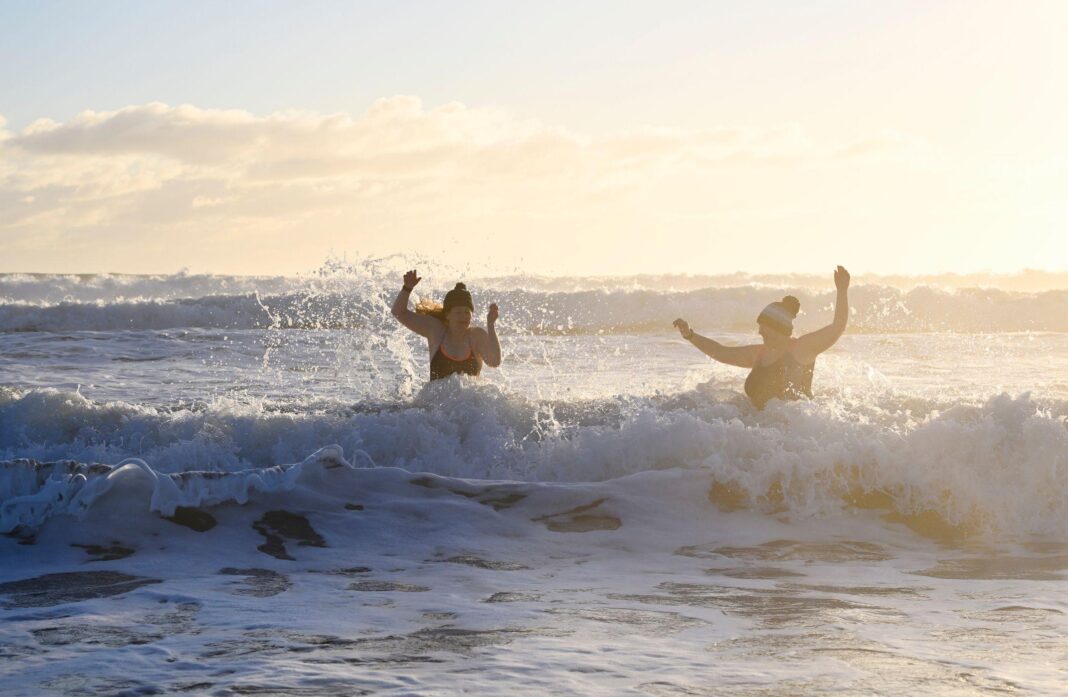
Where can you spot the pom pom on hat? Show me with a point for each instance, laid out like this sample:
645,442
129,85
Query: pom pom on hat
780,315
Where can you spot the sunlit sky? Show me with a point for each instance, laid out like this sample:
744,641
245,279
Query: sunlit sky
543,137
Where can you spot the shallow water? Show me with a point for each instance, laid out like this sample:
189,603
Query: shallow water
604,515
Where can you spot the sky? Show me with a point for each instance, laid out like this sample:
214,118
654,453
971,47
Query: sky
555,138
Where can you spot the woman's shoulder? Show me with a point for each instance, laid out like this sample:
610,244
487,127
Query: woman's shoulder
478,338
801,355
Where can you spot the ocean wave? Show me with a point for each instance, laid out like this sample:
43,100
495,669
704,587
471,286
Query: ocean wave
107,288
874,309
38,492
997,465
52,289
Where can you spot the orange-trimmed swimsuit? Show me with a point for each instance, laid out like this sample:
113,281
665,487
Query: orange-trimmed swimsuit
442,365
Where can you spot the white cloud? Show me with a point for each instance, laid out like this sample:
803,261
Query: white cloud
205,174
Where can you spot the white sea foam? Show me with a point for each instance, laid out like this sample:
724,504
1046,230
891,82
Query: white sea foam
35,493
994,466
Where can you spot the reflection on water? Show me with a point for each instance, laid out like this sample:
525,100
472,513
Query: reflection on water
754,572
914,593
792,550
997,566
772,607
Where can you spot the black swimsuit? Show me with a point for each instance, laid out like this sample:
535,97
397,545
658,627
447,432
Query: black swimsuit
783,379
442,365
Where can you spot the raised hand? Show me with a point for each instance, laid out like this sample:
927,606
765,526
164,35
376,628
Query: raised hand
683,327
411,279
841,278
493,314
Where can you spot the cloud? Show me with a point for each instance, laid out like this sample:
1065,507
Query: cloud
396,136
883,142
158,168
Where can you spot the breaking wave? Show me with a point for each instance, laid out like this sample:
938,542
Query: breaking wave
997,466
874,309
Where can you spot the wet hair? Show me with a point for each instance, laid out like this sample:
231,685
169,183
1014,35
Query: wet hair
780,315
431,309
457,297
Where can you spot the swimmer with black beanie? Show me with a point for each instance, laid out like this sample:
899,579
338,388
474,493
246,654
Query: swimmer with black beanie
782,366
455,346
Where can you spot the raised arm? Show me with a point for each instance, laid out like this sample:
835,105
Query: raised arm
420,324
486,342
815,343
741,356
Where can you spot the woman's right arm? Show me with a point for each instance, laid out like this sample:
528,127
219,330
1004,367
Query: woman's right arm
741,356
420,324
815,343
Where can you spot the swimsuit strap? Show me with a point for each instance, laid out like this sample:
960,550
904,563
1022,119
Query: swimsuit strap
470,348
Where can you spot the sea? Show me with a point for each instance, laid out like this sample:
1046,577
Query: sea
237,485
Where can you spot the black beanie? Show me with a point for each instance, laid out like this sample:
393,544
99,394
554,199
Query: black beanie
458,297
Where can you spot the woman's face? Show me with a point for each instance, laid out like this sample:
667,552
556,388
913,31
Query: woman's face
459,317
770,336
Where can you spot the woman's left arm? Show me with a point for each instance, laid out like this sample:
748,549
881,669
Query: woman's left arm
487,343
820,340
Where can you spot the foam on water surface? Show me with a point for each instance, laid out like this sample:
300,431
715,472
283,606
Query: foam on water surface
395,582
243,486
989,468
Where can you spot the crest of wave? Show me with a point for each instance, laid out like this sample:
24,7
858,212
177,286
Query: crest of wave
944,469
41,289
994,467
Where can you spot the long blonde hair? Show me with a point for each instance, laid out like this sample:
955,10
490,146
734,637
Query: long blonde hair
431,308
